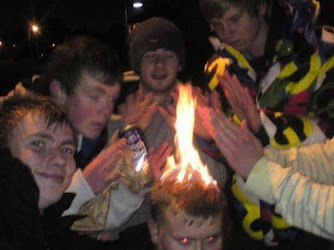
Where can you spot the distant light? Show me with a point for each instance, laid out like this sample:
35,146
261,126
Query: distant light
34,28
137,5
0,43
42,55
14,45
53,45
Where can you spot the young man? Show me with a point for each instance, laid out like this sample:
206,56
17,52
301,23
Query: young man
186,215
299,188
287,69
84,75
157,55
37,147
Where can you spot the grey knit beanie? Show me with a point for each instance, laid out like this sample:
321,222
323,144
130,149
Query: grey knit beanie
152,34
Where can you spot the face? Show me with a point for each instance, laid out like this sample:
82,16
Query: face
175,234
158,70
240,29
48,152
91,105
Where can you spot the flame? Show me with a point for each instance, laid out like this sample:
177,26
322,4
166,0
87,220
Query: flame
186,158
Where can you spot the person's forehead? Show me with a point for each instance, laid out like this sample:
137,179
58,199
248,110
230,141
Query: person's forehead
92,82
229,13
183,225
34,124
160,50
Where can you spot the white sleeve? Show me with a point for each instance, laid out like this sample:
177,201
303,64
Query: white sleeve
83,192
122,205
301,201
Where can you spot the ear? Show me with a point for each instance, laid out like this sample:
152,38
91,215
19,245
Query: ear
153,228
57,92
262,8
180,68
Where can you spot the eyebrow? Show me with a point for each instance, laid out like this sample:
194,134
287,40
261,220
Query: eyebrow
96,89
238,14
69,142
50,138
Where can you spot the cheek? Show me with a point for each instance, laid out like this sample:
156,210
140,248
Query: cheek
71,167
80,111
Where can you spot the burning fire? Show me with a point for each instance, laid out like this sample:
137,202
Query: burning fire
186,158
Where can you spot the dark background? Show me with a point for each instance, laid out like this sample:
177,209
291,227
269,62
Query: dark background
104,19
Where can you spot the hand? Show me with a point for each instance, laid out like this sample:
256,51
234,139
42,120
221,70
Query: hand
240,100
204,101
138,109
239,146
169,113
101,171
157,160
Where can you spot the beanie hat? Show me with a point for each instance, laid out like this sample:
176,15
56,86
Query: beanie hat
152,34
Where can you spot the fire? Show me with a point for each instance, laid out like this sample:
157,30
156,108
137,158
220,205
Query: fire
186,158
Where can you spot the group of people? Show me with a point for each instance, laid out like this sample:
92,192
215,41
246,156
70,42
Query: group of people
68,179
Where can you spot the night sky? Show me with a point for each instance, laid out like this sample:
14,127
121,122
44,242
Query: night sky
105,18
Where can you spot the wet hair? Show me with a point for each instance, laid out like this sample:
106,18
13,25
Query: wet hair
78,54
192,197
15,108
215,9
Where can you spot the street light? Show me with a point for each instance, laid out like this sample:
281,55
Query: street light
137,5
35,29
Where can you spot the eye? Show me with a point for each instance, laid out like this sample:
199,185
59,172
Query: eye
68,150
184,241
150,56
212,239
94,97
169,56
235,19
37,144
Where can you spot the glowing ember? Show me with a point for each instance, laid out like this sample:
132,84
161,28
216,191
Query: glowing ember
186,158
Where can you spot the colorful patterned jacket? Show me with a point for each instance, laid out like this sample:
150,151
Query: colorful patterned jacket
293,88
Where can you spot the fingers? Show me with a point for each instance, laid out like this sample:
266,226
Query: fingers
158,159
170,117
215,101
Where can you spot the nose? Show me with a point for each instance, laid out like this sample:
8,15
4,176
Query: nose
160,61
58,158
105,107
198,245
224,31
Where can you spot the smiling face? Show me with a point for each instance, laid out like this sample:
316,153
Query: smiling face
158,70
91,105
48,152
176,232
240,29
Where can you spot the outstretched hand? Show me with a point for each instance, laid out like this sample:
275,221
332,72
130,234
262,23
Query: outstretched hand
158,158
101,171
169,113
239,146
240,100
138,109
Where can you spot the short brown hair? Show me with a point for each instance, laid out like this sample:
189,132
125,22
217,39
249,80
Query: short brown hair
216,8
81,53
193,197
15,108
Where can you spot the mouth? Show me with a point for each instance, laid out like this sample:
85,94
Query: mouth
58,178
97,125
159,77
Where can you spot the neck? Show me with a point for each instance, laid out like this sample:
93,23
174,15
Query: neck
257,49
162,98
